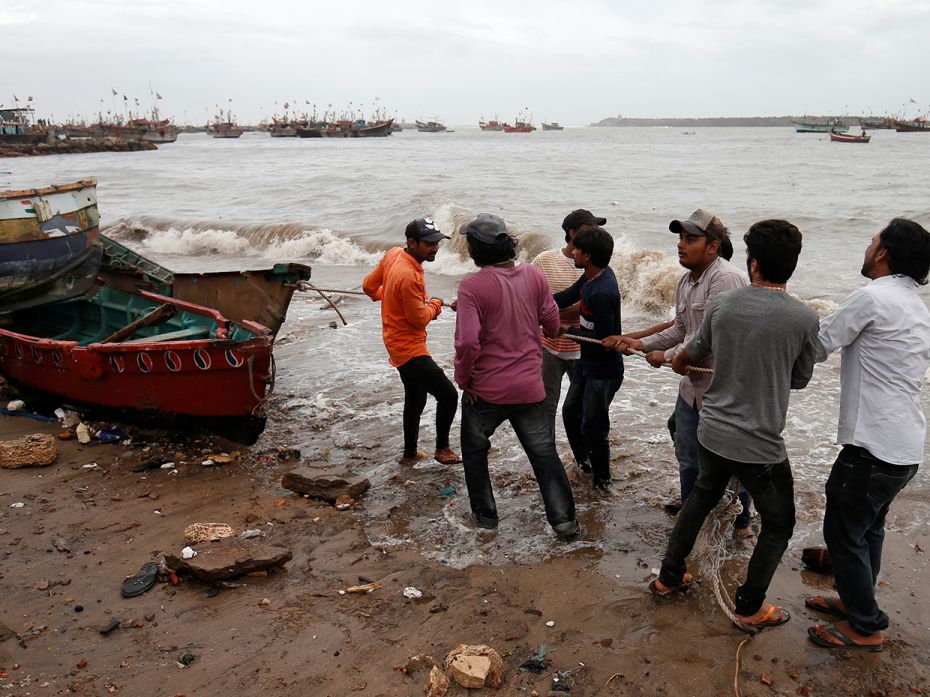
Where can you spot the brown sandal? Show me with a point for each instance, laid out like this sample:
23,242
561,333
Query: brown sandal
447,457
666,591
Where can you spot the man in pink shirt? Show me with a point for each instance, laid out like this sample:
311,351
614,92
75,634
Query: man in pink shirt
498,357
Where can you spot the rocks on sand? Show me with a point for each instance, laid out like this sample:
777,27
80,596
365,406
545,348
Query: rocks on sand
228,558
475,666
36,450
320,482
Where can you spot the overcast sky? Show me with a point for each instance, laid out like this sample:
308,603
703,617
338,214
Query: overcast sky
573,62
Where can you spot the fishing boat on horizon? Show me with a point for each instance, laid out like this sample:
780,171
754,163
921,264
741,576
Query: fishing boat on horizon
434,126
492,125
917,125
17,127
849,137
835,125
553,126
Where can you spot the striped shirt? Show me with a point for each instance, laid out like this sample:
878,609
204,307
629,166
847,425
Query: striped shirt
561,273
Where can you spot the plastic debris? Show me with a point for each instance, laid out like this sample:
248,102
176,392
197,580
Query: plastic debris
207,532
365,588
188,553
168,466
249,534
18,504
91,466
111,435
550,623
83,433
412,593
208,463
447,491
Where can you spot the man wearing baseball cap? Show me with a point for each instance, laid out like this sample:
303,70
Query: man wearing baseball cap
560,355
700,241
397,281
499,311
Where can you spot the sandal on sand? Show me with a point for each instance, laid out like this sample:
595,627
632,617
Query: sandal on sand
446,457
413,459
822,603
657,588
838,639
142,581
772,617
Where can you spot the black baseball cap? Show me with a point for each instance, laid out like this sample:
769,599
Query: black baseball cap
487,228
577,218
425,230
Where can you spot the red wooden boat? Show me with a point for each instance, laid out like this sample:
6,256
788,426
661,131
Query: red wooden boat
849,138
520,127
143,354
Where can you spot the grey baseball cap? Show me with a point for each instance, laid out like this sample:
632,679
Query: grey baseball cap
696,224
487,228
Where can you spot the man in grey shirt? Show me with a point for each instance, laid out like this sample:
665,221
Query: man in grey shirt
764,343
703,241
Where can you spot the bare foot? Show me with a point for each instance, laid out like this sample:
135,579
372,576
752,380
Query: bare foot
413,459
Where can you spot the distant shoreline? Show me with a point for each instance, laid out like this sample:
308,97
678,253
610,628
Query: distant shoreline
720,121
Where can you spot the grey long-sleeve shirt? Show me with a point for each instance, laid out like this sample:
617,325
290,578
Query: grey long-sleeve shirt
764,344
692,299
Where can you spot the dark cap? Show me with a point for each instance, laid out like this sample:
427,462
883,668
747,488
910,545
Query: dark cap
698,224
576,219
487,228
425,230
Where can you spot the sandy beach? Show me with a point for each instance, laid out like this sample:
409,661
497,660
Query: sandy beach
293,633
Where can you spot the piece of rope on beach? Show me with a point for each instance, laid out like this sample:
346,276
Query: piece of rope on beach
640,354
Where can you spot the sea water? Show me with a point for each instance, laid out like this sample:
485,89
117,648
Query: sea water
211,204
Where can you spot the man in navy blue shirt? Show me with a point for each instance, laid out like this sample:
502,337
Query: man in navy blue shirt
600,371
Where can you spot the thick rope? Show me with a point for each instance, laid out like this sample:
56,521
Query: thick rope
640,354
306,285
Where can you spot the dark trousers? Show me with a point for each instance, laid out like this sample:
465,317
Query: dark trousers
686,420
587,422
421,376
479,421
553,370
771,487
860,490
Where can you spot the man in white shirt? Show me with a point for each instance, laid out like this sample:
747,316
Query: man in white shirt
883,330
560,355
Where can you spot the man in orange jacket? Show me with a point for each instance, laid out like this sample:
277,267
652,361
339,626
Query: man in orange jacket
406,309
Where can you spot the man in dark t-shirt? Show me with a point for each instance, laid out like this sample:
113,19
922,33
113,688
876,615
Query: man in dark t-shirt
600,371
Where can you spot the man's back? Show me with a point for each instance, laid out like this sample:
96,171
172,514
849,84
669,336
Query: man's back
498,352
764,344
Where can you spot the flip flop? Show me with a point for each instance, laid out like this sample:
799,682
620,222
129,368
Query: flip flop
685,584
413,459
449,458
772,617
142,581
845,642
826,604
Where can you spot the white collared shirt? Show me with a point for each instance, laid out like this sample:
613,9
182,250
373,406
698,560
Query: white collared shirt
884,332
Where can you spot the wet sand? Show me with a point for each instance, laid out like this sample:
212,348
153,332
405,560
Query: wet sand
500,588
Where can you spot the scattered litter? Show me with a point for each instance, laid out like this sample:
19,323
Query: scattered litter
550,623
110,626
537,663
412,593
344,503
221,458
208,463
68,418
447,491
188,553
342,592
111,435
18,504
185,660
249,534
366,588
83,433
168,466
264,602
16,405
91,466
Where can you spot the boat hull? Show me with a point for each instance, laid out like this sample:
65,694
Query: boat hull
844,138
50,247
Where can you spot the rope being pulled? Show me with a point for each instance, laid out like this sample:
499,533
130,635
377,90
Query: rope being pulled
640,354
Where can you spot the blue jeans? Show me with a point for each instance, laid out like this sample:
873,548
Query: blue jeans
687,418
860,490
479,421
772,488
587,422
